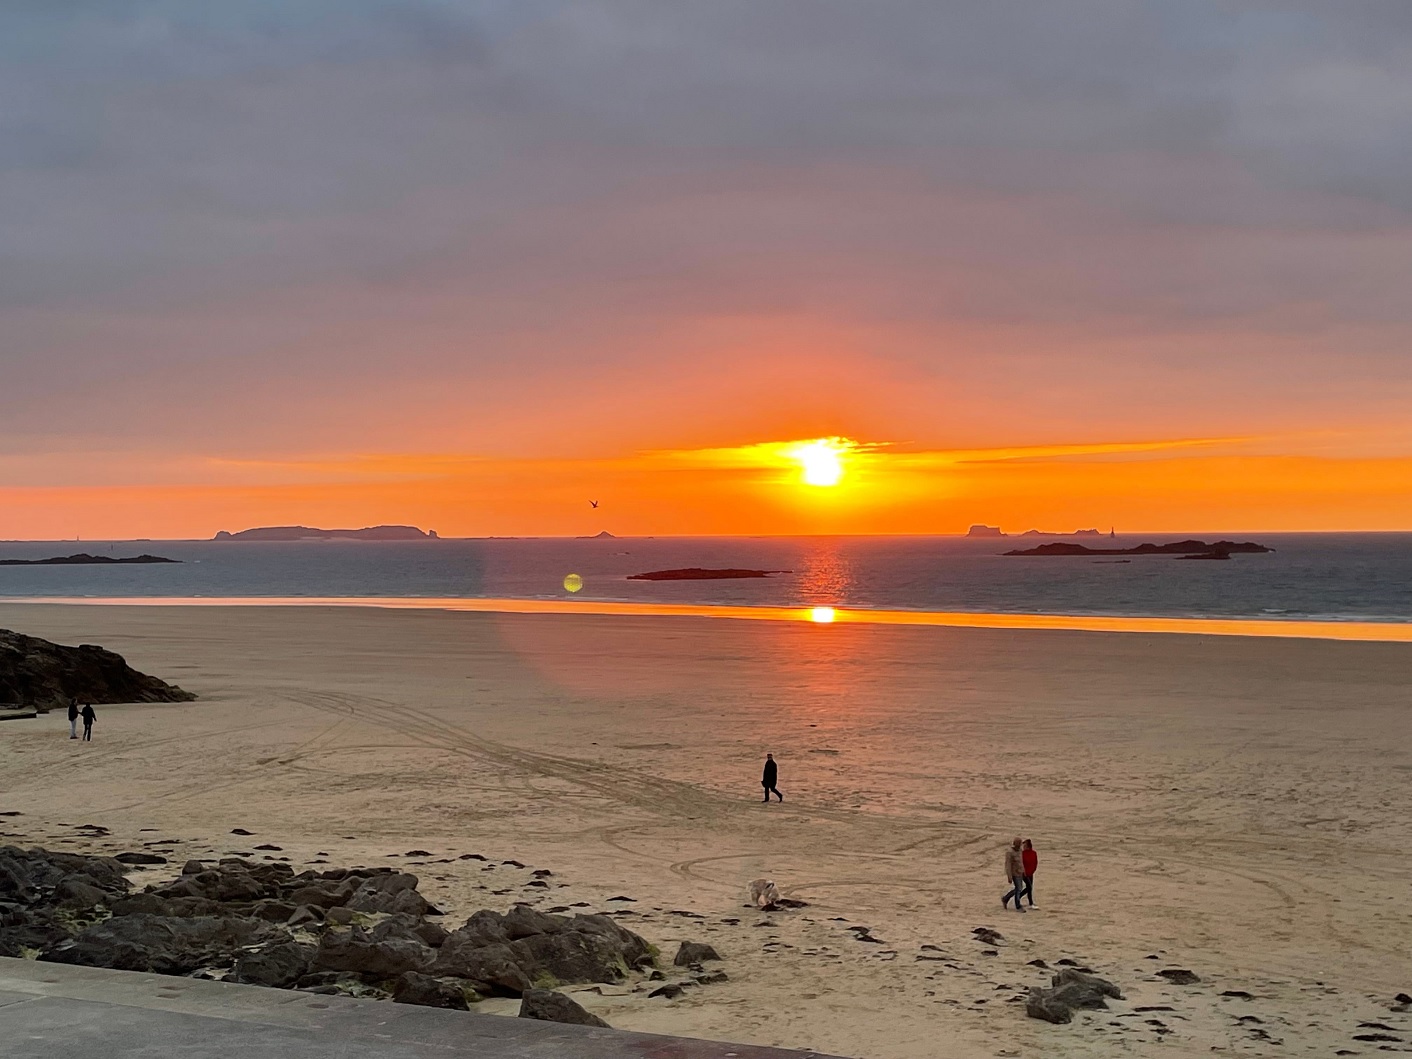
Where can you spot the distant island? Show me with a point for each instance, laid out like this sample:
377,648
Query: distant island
1191,549
696,573
600,536
84,559
308,533
982,530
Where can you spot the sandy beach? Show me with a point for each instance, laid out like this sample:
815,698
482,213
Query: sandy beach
1236,807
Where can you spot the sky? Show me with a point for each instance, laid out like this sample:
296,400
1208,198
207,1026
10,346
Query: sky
470,265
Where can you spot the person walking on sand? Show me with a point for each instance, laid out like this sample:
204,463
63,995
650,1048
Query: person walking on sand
73,718
1015,874
1030,860
770,778
88,718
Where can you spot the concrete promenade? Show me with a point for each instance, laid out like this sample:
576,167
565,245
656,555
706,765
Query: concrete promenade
53,1011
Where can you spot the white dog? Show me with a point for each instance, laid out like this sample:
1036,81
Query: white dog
763,893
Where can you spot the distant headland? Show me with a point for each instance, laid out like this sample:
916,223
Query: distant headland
309,533
981,530
84,559
1190,549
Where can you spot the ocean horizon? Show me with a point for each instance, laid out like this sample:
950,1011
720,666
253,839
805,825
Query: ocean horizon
1309,577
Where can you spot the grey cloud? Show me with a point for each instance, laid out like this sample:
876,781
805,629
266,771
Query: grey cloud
596,167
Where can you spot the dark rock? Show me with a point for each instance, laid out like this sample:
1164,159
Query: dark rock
572,956
163,945
636,952
522,921
714,978
148,904
229,885
549,1006
49,675
279,964
305,916
1402,998
1070,990
27,875
987,936
493,969
425,991
1237,994
1179,976
671,991
1089,982
75,892
240,831
27,932
416,853
694,952
484,928
273,911
140,858
340,916
411,928
355,950
324,895
273,849
193,867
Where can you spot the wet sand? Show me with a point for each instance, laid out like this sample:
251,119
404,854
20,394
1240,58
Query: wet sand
1234,806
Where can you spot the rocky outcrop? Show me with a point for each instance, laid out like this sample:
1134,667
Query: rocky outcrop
1070,991
364,931
549,1006
35,672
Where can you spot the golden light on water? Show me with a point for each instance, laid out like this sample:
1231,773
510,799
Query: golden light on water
822,615
573,582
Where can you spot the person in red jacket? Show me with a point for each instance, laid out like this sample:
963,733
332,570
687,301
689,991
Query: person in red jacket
1030,859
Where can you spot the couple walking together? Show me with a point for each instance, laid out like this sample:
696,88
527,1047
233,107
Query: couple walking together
1020,863
88,718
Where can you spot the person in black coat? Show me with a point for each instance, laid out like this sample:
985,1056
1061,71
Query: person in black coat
88,718
73,718
770,778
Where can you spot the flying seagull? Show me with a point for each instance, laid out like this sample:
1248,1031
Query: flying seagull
593,503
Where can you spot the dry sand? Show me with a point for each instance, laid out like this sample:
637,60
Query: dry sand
1232,806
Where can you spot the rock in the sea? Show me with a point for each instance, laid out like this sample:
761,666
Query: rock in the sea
549,1006
35,672
279,964
425,991
694,952
1179,976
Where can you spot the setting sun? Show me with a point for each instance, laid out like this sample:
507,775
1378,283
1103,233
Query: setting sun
821,461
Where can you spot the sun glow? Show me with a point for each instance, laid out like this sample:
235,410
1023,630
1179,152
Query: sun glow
822,615
821,461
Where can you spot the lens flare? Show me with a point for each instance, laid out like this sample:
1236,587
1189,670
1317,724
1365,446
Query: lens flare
573,582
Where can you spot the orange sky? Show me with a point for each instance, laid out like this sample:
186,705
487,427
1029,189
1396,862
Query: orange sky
469,265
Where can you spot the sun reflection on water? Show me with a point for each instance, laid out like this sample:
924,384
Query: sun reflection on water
822,615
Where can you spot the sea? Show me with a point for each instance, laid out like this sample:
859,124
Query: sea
1320,577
